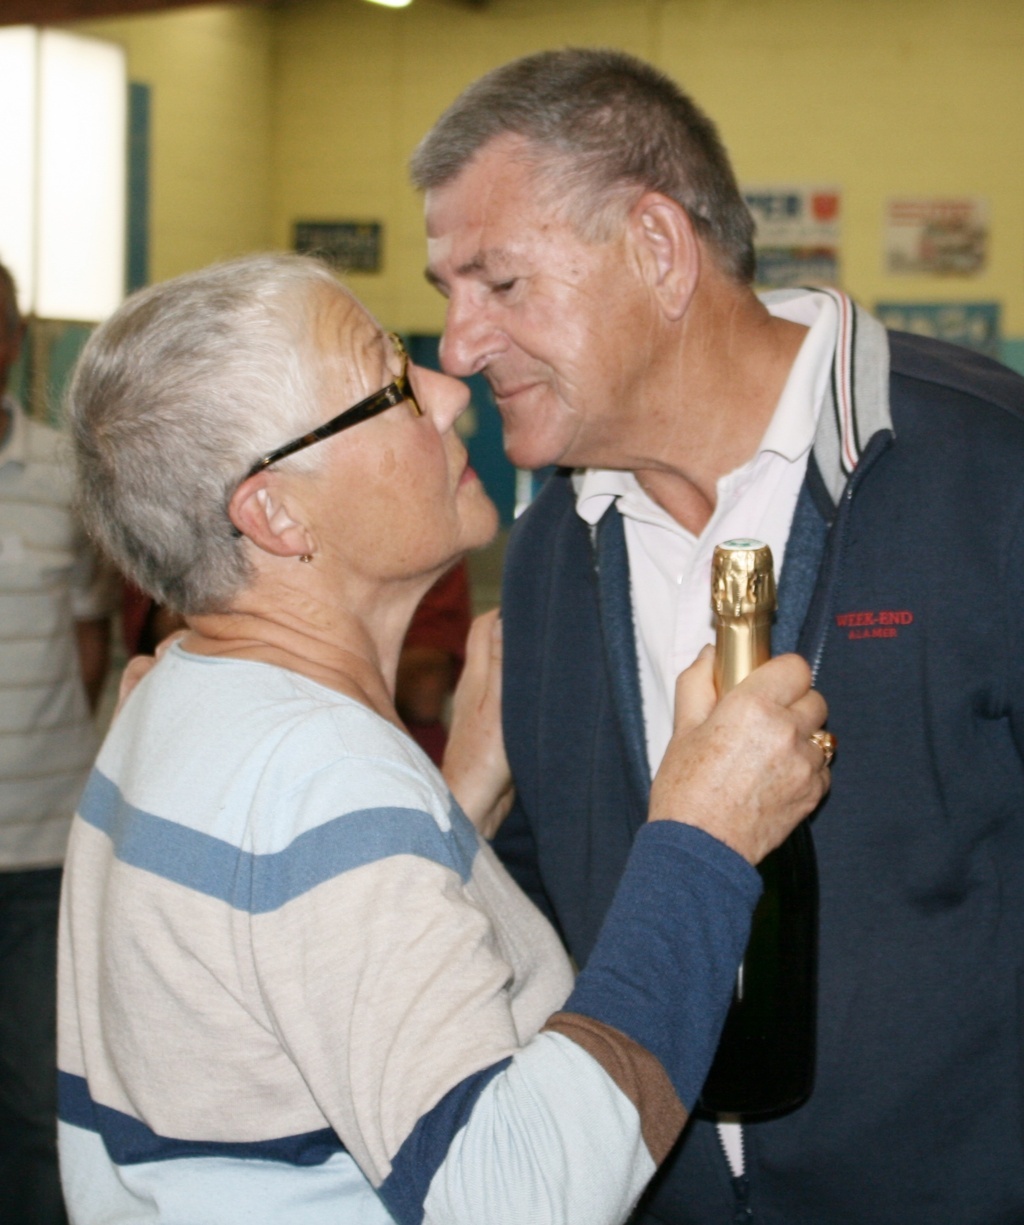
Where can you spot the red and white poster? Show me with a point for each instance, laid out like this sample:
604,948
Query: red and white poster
936,236
797,238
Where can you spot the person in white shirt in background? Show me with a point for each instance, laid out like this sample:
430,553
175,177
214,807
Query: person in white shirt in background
54,636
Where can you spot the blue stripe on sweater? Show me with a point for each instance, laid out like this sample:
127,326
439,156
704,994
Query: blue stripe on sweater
130,1142
425,1148
664,965
258,884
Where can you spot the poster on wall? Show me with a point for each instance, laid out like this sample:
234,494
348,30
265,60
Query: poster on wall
936,236
350,246
975,325
797,237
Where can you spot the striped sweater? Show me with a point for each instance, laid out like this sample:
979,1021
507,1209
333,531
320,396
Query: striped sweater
296,986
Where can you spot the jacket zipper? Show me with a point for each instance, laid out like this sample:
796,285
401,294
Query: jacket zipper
879,443
744,1214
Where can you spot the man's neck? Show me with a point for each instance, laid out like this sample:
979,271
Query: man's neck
735,361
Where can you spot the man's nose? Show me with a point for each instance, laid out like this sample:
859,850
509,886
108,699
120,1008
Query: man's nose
468,342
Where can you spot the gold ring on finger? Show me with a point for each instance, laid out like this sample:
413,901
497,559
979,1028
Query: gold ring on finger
827,743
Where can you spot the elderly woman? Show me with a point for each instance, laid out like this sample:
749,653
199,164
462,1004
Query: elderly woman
296,986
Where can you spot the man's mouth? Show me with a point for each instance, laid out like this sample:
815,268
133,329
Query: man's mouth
505,393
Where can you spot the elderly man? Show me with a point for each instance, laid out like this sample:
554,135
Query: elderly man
54,631
585,226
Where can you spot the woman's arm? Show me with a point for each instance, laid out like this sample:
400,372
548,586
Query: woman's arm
405,1023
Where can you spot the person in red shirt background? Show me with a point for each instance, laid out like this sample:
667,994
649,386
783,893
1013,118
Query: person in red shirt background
431,660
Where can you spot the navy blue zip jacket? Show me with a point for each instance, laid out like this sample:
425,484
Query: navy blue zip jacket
906,592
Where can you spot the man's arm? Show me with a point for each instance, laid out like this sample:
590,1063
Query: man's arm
93,641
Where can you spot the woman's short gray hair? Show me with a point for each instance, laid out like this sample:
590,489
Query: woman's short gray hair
605,126
171,401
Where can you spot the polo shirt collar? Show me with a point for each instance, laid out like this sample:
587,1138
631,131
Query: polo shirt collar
790,432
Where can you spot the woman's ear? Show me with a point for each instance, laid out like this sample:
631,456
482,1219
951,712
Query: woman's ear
260,510
667,249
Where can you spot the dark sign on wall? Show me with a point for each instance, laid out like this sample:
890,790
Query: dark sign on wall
351,246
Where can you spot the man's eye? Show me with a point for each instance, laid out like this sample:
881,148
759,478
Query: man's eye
503,286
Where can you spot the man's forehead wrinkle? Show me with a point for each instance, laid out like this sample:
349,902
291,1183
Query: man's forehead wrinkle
491,260
481,227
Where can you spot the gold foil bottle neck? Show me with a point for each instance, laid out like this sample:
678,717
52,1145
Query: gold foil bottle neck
742,579
743,602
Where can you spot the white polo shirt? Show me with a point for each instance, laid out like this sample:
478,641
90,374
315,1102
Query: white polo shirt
49,578
670,568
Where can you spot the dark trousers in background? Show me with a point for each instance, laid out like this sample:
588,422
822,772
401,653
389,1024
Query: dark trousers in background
29,1180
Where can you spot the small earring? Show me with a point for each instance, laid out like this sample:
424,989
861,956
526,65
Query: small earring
306,557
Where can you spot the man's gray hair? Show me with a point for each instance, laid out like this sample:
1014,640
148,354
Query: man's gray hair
172,400
606,127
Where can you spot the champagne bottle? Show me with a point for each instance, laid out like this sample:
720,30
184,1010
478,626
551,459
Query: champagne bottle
764,1065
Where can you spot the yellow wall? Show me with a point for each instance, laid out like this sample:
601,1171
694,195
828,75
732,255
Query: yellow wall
881,98
310,110
210,69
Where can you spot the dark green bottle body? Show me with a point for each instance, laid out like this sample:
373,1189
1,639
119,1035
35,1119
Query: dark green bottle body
764,1064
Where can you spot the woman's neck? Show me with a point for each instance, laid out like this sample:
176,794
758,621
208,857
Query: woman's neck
336,649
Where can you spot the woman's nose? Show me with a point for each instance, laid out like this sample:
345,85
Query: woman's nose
445,398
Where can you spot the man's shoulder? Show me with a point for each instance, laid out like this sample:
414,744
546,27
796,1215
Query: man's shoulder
553,506
549,565
926,369
958,419
545,536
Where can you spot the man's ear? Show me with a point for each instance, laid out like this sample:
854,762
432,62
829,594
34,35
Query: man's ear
264,516
668,250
